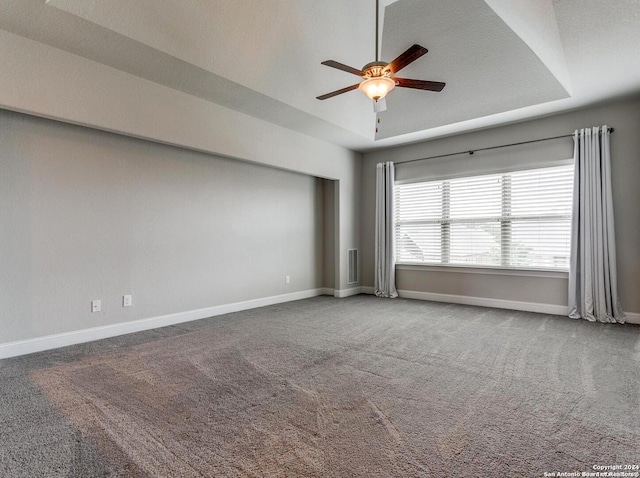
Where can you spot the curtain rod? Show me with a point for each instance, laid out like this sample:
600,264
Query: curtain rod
471,151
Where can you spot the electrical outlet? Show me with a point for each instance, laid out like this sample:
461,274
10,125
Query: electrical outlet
96,305
127,300
287,279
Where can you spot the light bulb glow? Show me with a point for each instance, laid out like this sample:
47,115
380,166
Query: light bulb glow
377,88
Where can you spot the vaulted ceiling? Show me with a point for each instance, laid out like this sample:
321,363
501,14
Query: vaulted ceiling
502,60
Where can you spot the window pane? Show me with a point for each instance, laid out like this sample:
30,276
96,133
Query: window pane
543,244
418,243
475,244
479,196
421,201
541,192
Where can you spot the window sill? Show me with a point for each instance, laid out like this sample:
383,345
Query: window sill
487,270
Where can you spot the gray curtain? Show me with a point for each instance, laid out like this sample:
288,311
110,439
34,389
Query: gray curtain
593,293
385,279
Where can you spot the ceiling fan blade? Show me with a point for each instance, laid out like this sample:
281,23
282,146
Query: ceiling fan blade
409,56
338,92
343,67
419,84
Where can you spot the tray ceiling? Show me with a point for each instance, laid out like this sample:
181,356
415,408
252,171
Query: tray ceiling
502,60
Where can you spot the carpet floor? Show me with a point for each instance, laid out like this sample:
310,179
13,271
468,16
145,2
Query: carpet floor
324,387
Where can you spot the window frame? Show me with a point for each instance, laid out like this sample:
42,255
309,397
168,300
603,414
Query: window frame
505,227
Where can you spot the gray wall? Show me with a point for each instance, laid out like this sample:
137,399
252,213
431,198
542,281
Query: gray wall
624,116
75,90
89,215
329,189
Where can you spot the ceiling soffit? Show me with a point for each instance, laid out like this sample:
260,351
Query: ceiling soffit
502,60
273,48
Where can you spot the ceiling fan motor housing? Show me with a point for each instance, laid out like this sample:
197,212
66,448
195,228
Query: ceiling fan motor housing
377,80
376,69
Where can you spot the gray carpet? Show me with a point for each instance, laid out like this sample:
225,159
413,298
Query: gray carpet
358,387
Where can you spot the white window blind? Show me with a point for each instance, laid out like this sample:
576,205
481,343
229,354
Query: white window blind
518,220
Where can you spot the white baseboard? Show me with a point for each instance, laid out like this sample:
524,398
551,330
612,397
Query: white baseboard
341,293
39,344
553,309
632,318
23,347
487,302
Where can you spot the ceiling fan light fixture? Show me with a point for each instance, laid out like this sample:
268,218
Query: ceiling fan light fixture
377,88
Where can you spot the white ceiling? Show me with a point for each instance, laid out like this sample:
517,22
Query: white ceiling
502,60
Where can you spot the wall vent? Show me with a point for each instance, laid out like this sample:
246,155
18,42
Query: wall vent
352,273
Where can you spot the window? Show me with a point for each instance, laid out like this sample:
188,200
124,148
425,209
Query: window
519,220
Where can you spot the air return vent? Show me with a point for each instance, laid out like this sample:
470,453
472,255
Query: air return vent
352,277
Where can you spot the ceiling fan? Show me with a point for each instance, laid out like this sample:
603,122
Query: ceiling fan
378,77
